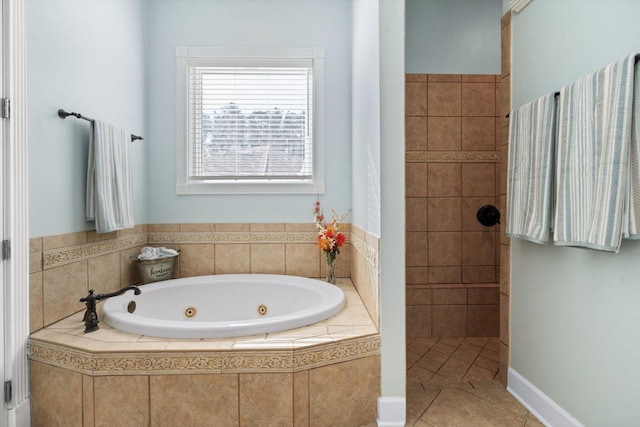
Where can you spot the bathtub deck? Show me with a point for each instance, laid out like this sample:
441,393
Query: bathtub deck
348,335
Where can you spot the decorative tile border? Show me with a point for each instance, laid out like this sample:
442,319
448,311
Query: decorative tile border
178,237
369,252
164,363
58,257
452,156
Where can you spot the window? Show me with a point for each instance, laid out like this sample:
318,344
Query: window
250,121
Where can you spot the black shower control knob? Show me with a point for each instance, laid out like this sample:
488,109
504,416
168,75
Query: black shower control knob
488,215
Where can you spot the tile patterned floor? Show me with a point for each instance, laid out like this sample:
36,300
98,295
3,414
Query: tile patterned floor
452,382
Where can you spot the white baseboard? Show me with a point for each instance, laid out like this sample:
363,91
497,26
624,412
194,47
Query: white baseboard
392,411
539,404
20,416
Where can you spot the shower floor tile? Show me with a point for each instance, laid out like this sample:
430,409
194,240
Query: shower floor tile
453,382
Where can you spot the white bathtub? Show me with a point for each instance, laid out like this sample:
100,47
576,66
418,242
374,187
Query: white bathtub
225,305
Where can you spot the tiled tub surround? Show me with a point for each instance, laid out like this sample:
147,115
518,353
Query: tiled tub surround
326,374
452,169
64,267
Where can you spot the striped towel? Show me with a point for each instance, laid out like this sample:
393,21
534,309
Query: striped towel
109,186
530,173
593,159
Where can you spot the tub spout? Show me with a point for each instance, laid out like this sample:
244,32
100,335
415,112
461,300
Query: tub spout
90,318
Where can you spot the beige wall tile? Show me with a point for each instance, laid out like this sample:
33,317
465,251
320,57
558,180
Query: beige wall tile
92,236
479,133
416,78
266,399
478,99
479,248
419,296
444,99
444,180
478,78
505,259
444,133
478,179
417,249
417,275
194,400
479,274
197,259
267,258
416,133
302,259
163,227
104,273
208,227
484,320
35,244
416,213
449,321
444,249
36,302
233,227
506,50
419,321
64,240
233,258
484,296
444,214
267,227
88,415
443,274
121,401
415,99
62,288
449,296
354,385
444,78
35,262
504,318
302,226
416,179
138,229
56,396
301,399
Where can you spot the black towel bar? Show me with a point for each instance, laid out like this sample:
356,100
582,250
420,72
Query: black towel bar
63,115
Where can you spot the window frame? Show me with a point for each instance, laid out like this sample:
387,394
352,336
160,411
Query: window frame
188,56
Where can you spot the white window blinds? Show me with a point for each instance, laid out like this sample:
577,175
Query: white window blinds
251,123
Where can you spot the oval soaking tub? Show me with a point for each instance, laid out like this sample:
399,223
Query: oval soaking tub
224,305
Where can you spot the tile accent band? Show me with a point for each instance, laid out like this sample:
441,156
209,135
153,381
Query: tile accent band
452,156
197,362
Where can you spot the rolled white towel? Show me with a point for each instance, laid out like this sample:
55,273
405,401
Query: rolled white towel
149,253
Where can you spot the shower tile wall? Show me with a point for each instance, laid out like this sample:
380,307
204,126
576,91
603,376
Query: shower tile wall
452,169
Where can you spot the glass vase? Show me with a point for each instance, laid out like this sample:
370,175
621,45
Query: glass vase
331,267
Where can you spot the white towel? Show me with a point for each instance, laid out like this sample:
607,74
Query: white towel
530,174
593,159
149,253
109,186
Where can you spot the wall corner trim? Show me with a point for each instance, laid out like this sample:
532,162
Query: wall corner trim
517,5
539,404
392,411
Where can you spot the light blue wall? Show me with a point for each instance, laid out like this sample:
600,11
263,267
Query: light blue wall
85,56
366,116
453,36
242,23
575,313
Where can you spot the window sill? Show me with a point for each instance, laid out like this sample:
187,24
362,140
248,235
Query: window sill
250,188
